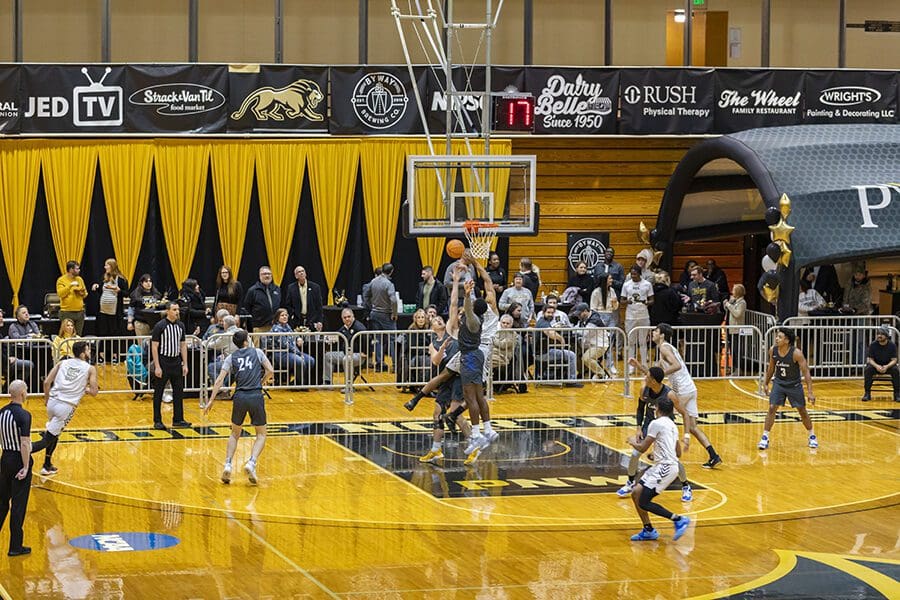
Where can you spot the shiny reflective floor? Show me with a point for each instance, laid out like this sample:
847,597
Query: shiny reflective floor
344,509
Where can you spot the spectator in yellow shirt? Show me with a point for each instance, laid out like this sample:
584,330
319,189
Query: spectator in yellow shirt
71,291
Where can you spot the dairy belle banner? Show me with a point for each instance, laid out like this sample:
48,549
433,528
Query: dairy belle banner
176,99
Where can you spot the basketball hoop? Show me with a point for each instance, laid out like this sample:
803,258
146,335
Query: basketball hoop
480,235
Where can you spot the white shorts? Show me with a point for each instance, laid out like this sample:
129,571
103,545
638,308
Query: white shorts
59,413
453,363
486,352
659,476
689,403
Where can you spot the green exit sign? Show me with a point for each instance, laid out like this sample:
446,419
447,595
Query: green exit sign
699,3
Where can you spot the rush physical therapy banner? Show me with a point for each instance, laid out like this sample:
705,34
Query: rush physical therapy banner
100,99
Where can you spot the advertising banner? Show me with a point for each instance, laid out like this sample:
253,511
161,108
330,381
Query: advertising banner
176,98
746,99
587,247
468,107
71,99
850,97
573,100
374,100
273,99
667,101
9,100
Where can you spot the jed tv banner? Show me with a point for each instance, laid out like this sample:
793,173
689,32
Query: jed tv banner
9,100
746,99
467,107
277,99
72,99
850,97
667,101
573,100
177,98
375,100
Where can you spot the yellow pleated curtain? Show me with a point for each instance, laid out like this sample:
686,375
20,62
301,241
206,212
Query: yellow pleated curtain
181,172
232,171
125,169
20,168
383,163
280,168
495,181
69,171
332,180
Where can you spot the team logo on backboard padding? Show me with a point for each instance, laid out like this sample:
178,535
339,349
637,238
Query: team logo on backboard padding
379,100
299,99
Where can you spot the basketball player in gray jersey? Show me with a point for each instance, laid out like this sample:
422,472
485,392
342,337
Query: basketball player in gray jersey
787,363
250,370
64,387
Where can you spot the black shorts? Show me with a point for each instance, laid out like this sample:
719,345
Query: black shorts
793,393
448,392
471,367
243,403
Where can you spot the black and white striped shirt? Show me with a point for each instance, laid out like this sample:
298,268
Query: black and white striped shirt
15,423
169,335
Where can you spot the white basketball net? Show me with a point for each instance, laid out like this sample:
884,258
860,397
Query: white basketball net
480,236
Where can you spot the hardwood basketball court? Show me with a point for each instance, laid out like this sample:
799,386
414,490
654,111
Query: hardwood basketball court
344,508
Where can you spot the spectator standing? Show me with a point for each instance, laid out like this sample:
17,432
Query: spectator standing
168,349
667,302
262,300
229,291
15,465
643,259
113,289
383,316
736,307
859,296
518,293
605,303
304,301
497,273
637,294
531,277
685,280
701,290
142,309
582,281
431,292
717,276
71,291
882,359
192,307
607,268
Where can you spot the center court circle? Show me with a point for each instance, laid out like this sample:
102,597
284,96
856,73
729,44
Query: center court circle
128,541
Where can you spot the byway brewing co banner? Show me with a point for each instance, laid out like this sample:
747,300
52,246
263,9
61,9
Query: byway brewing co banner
272,99
572,100
374,100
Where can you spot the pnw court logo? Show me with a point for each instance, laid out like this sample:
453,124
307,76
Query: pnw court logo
587,249
379,100
299,99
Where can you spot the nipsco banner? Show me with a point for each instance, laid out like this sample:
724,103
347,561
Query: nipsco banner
468,107
850,97
573,101
9,100
269,99
374,100
667,101
746,99
587,247
176,98
71,99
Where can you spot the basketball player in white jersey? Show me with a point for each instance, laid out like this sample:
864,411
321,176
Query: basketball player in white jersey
64,387
683,385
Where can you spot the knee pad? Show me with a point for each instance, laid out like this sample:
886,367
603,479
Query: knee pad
457,412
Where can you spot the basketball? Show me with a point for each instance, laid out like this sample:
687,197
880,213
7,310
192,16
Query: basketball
455,249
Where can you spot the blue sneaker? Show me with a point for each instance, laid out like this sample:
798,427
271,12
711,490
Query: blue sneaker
681,526
687,494
645,536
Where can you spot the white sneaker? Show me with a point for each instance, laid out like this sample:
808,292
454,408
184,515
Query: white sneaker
493,436
250,470
813,441
226,473
625,490
474,442
597,378
763,442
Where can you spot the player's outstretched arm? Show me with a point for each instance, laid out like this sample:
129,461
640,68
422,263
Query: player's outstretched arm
92,386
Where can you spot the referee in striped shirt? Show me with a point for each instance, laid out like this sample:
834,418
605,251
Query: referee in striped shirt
168,349
15,465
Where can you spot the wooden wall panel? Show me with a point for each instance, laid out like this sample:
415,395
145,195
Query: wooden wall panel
605,184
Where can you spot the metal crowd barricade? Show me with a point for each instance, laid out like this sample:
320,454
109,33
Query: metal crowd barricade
391,358
762,321
833,351
27,359
715,351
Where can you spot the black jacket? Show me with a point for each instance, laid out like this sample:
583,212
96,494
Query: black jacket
193,310
314,313
257,305
439,297
666,307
